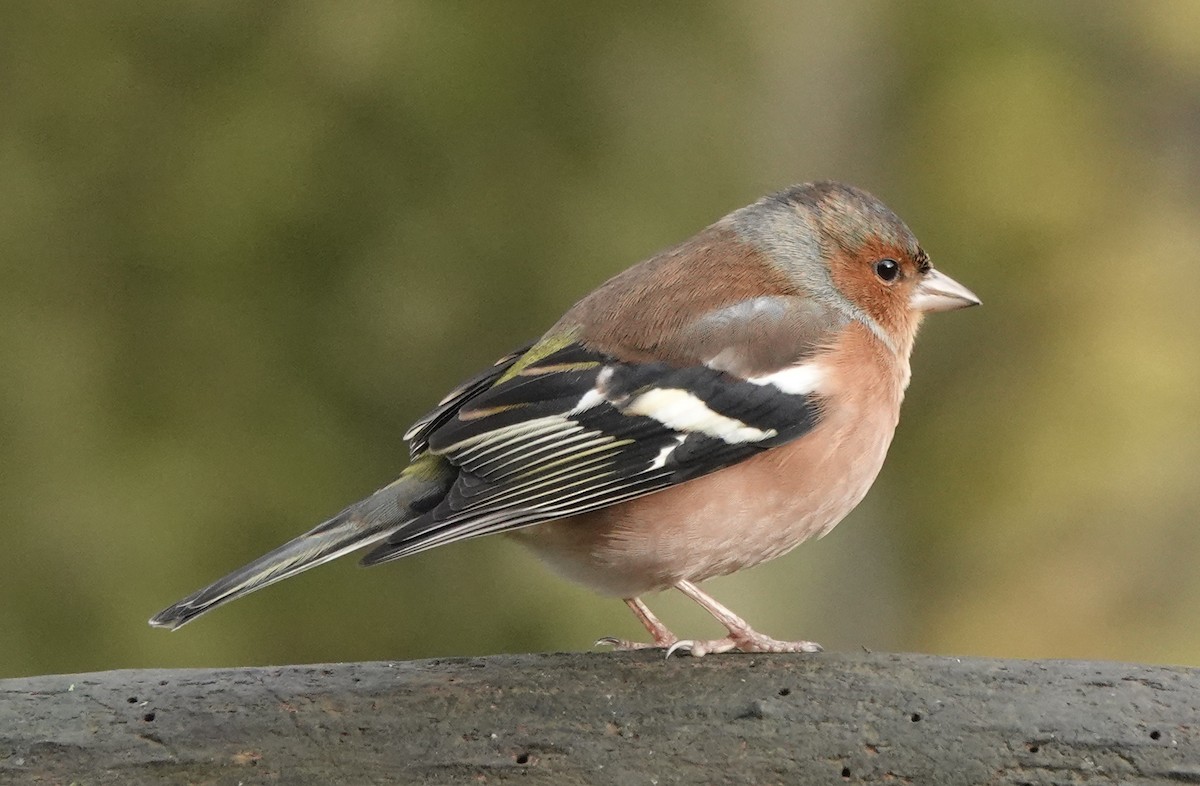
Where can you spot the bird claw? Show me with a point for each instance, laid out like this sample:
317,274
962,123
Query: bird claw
685,647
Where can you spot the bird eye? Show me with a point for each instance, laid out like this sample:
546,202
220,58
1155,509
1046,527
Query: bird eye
887,270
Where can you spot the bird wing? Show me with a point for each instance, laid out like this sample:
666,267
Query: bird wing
568,428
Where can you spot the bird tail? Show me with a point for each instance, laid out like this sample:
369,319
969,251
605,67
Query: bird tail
418,489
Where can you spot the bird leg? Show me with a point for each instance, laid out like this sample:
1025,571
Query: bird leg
741,636
662,636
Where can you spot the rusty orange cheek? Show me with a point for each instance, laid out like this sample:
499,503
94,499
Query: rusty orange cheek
854,276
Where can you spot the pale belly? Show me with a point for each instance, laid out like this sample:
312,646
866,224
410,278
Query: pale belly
731,519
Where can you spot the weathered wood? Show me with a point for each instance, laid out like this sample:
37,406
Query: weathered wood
611,718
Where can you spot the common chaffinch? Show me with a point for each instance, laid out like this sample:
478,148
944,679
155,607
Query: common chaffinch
704,411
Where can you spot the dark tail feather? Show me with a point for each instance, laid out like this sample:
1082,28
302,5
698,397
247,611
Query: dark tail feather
358,526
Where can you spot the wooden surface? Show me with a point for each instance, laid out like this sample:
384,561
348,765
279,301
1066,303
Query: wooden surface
611,719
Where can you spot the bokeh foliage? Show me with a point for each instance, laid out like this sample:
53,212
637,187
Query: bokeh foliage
243,245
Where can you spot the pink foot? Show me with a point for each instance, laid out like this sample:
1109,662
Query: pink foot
741,636
745,641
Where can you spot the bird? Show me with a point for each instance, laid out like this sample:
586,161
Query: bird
702,412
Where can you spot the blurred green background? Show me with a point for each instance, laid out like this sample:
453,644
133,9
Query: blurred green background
244,244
